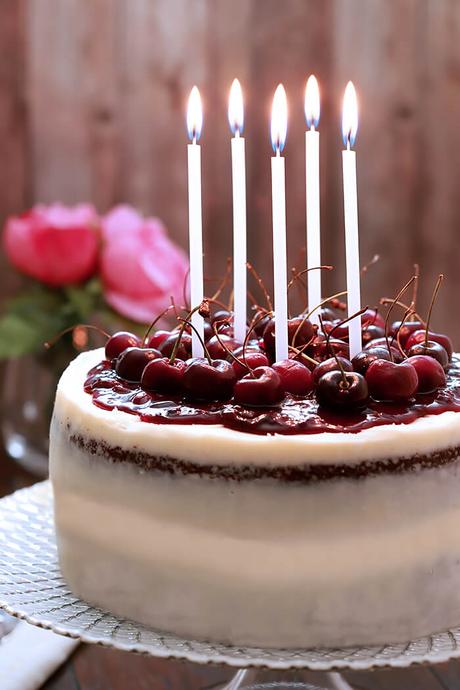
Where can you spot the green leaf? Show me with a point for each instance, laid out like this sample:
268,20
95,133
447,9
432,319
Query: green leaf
18,337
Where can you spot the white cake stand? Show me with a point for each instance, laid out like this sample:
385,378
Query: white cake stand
32,588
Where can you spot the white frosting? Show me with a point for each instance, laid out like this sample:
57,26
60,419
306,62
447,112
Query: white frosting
215,444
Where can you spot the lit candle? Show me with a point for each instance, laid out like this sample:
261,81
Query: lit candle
312,110
194,125
236,119
350,200
278,136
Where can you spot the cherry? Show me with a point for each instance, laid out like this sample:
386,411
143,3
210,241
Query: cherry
157,338
431,375
132,362
260,322
331,365
327,314
222,315
371,317
404,330
253,359
382,343
208,330
362,361
430,349
390,381
301,329
321,348
342,391
216,349
209,381
185,346
371,333
162,376
261,388
295,377
420,335
119,342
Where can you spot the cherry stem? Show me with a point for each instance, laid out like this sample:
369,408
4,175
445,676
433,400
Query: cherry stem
413,303
389,300
433,300
223,282
50,343
345,383
390,309
157,318
371,263
300,274
184,323
300,352
227,349
203,344
326,301
261,284
408,313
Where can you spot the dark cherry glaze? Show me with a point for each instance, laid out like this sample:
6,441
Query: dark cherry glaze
294,415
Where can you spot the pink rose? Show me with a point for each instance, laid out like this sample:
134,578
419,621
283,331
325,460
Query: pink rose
54,244
141,267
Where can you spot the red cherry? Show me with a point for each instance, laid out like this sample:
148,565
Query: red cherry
372,333
321,348
252,359
382,343
419,337
205,381
132,362
261,322
362,361
261,388
371,317
217,350
430,349
301,329
431,375
162,376
295,377
389,381
119,342
404,331
185,346
157,338
330,365
222,315
333,392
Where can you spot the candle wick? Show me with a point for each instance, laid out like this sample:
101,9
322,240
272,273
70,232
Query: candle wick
194,138
237,132
278,152
348,142
312,127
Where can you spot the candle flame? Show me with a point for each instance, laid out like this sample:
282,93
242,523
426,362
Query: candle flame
235,108
194,115
312,103
279,119
349,115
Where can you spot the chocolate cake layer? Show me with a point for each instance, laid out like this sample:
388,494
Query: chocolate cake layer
299,473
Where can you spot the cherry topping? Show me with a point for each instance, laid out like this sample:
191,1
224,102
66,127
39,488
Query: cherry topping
158,338
162,376
252,359
132,362
390,381
419,337
431,349
209,381
431,375
295,377
331,364
362,361
337,390
261,388
119,342
216,349
185,346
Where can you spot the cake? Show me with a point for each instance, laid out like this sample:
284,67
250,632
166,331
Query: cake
295,523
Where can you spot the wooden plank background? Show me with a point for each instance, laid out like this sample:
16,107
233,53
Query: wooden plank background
92,102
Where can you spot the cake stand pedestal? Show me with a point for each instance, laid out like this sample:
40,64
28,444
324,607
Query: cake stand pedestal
32,588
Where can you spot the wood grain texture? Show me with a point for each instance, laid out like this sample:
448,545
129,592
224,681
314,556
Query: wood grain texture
92,106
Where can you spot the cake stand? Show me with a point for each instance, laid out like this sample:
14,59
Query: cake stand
32,588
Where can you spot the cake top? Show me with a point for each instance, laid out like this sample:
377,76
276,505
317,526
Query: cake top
405,371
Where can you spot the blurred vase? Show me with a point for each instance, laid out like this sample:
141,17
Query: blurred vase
29,388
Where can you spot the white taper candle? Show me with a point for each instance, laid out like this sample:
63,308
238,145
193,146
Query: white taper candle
194,123
350,201
236,117
312,111
278,134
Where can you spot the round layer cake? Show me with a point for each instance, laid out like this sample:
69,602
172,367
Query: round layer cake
227,527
